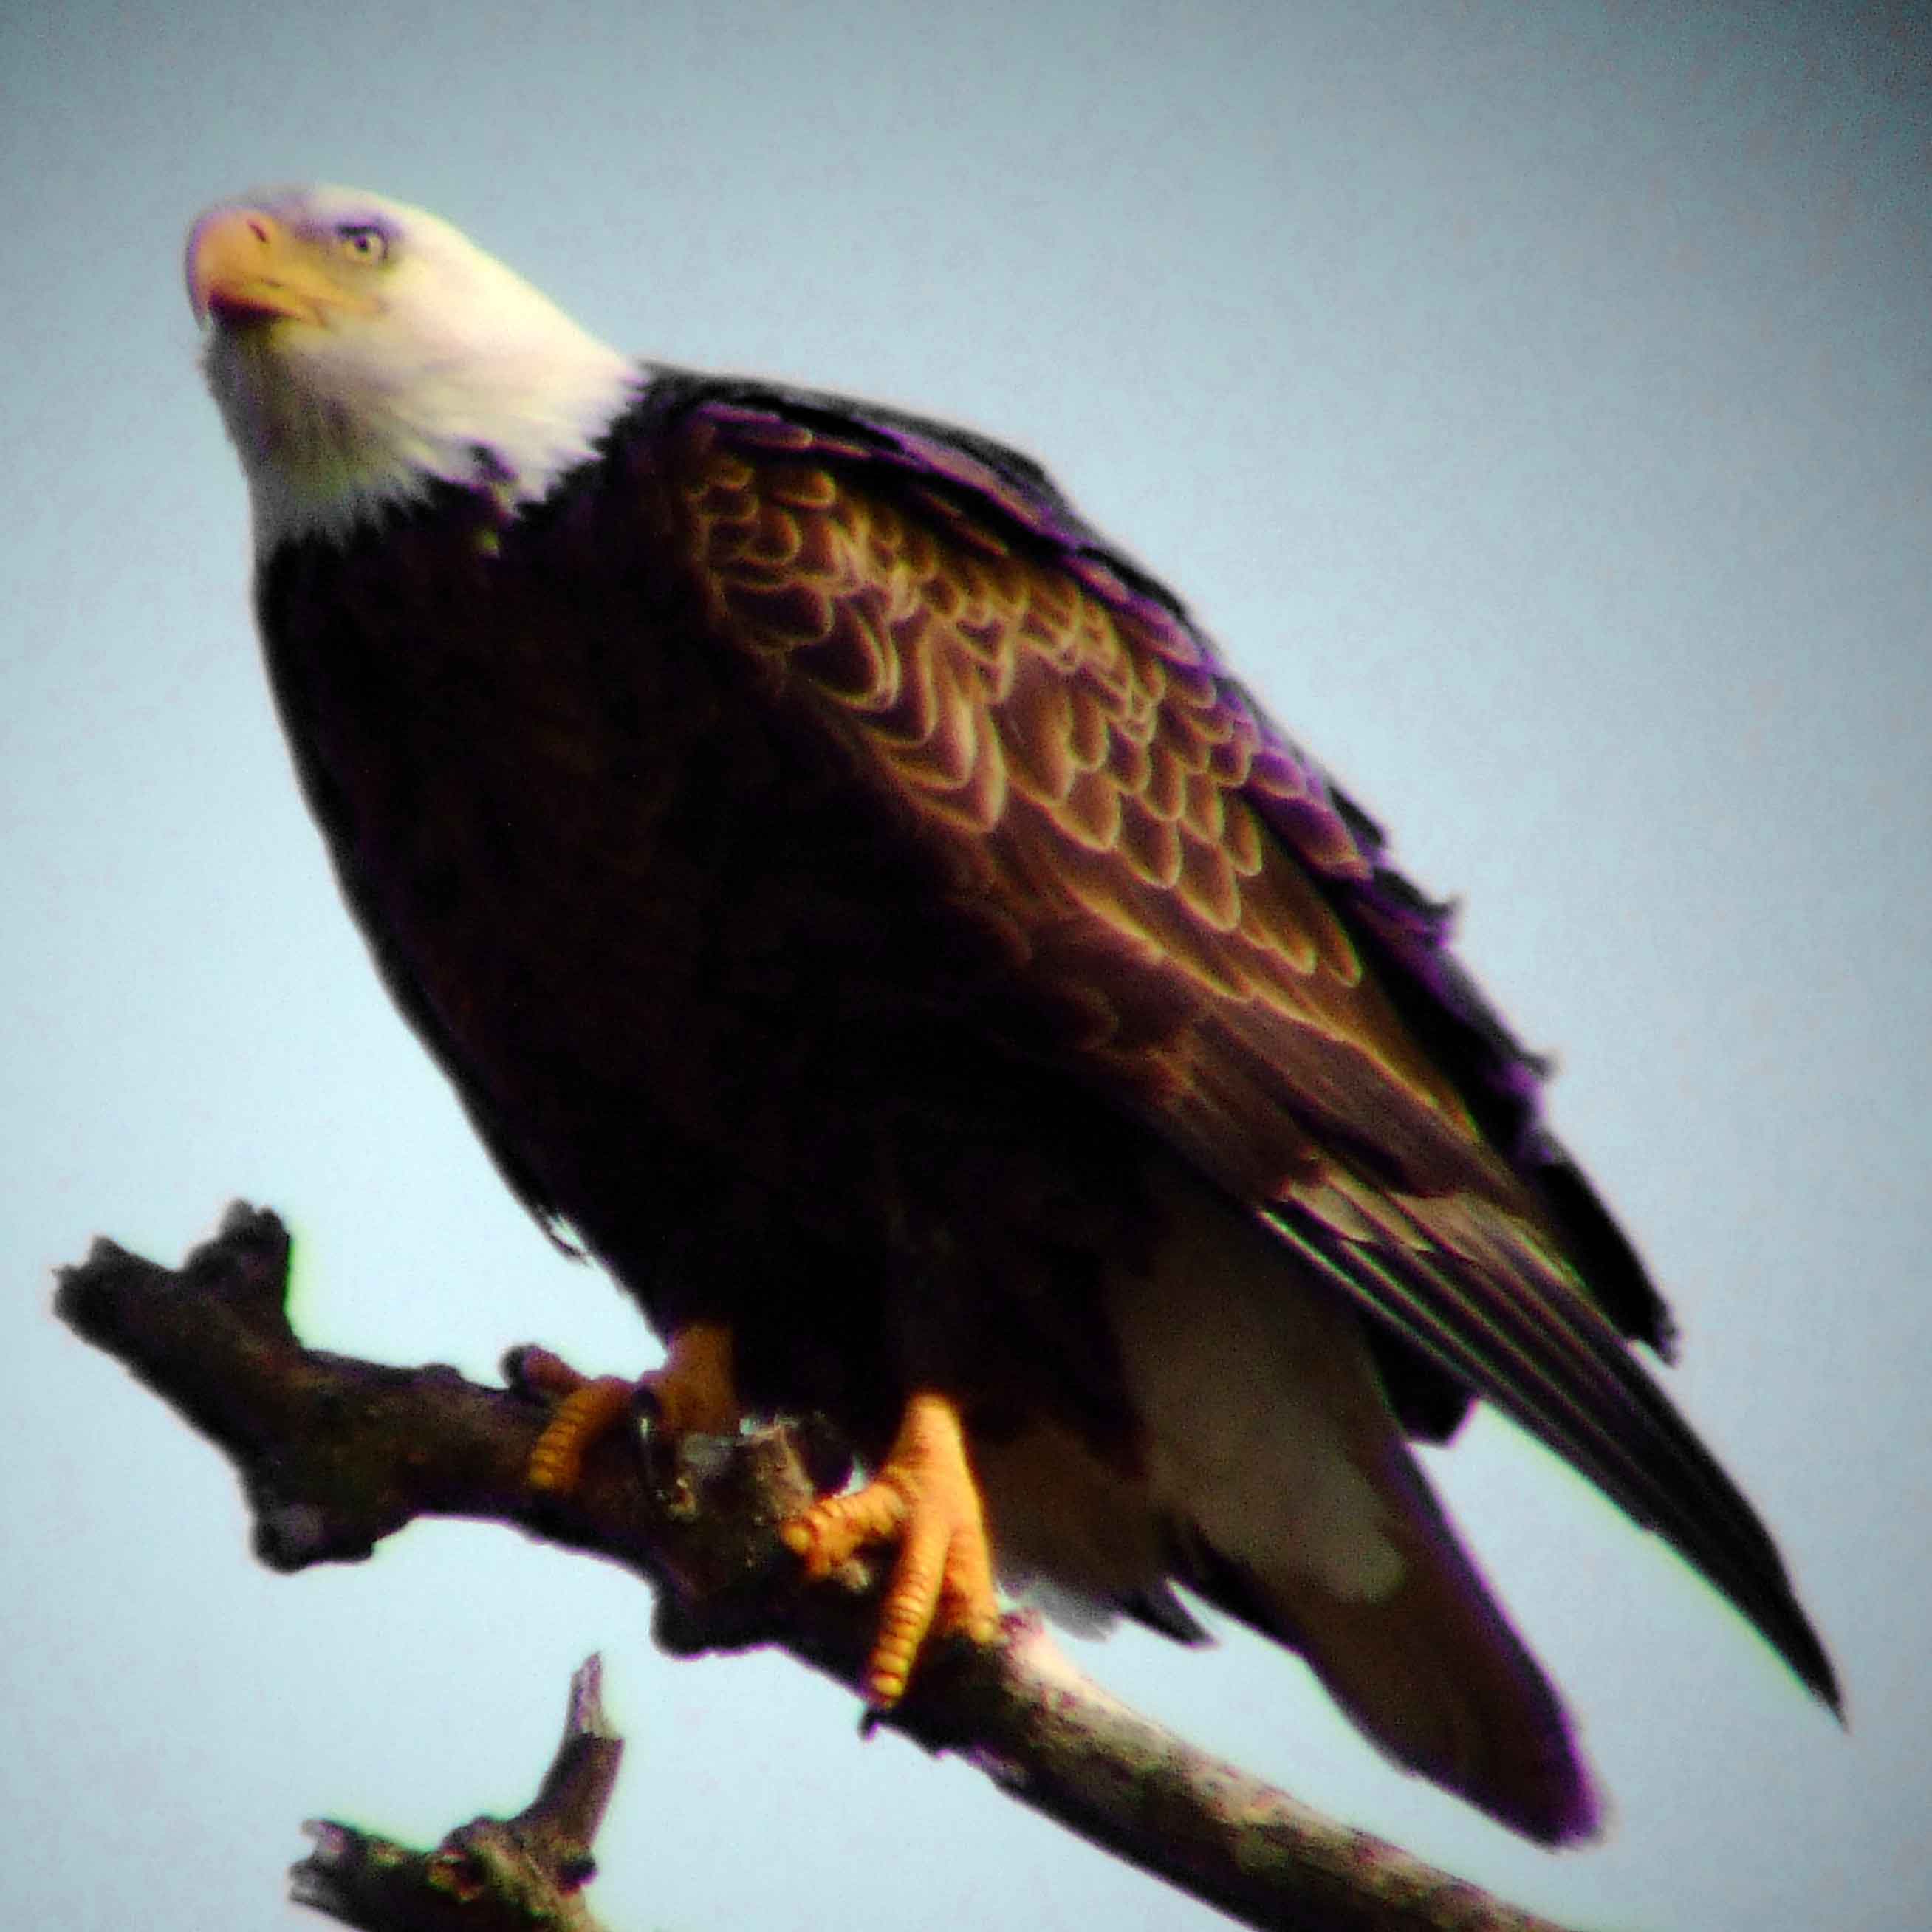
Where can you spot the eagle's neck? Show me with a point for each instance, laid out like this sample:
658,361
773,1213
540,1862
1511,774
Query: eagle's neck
328,450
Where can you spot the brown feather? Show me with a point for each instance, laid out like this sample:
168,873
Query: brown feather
861,913
1160,861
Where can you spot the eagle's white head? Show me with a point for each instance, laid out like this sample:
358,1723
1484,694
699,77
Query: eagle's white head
362,351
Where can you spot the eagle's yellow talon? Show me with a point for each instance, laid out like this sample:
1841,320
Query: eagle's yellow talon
693,1392
942,1580
593,1409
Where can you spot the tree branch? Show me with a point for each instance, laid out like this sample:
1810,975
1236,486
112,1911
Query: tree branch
334,1454
493,1874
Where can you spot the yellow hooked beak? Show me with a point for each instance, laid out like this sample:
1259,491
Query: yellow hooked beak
243,266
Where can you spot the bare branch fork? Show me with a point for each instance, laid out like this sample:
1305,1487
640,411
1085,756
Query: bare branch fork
334,1454
492,1874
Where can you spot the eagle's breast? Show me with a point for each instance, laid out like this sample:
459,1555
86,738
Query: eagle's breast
700,1000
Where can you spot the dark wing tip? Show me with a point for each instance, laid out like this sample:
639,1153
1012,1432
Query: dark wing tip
1533,1345
1790,1633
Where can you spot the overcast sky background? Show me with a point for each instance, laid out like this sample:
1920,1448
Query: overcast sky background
1538,403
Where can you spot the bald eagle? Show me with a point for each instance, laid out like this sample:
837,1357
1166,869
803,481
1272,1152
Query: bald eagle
852,897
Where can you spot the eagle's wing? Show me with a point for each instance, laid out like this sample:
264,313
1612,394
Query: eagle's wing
1191,918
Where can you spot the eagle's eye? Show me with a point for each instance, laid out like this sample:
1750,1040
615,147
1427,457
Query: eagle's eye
362,242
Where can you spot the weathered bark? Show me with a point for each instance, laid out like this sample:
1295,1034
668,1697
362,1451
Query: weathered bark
520,1874
334,1454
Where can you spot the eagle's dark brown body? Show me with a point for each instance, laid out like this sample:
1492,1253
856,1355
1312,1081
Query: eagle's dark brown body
855,902
703,1000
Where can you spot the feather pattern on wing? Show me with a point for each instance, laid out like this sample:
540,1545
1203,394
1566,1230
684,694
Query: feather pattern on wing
1208,931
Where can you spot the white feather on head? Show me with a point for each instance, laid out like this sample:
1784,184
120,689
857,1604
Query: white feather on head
420,359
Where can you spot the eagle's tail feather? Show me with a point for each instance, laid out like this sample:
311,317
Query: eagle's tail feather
1431,1670
1284,1492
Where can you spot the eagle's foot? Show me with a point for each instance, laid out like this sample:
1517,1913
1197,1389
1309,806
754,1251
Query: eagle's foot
586,1408
693,1394
925,1495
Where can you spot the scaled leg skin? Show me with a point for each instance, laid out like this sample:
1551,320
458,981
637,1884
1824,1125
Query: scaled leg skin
925,1495
692,1393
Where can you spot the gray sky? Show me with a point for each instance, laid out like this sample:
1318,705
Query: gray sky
1538,405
